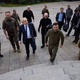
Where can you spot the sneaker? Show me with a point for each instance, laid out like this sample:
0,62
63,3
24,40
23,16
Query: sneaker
19,51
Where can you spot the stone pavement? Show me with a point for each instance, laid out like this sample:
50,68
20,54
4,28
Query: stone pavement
13,61
62,70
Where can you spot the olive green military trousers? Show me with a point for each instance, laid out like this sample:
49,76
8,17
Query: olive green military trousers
52,51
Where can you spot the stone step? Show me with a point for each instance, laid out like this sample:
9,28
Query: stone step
45,71
35,75
27,70
46,76
74,76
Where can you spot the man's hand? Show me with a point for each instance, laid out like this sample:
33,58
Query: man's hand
61,46
7,37
17,28
19,42
33,20
46,44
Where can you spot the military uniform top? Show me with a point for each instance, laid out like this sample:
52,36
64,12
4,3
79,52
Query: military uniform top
45,11
16,17
10,26
54,37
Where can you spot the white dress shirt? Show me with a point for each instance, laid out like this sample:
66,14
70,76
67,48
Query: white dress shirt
28,31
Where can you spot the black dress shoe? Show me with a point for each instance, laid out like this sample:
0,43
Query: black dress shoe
33,51
27,58
51,60
1,55
67,35
42,46
74,41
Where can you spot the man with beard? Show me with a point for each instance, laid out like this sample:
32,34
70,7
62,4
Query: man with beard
10,29
54,36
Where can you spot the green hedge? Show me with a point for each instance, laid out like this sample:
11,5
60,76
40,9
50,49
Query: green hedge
27,1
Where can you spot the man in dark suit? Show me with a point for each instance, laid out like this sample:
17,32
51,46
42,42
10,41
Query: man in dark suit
60,17
28,14
29,32
45,25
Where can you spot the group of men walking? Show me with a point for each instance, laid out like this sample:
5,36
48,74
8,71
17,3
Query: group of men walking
51,33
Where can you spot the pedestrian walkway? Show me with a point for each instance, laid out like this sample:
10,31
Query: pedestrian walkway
13,61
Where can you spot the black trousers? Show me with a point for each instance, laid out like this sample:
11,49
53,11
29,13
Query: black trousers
70,29
77,33
33,45
0,47
60,24
14,41
68,20
43,33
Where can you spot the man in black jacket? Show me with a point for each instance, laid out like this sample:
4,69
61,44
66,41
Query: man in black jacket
73,22
28,14
45,24
60,17
77,30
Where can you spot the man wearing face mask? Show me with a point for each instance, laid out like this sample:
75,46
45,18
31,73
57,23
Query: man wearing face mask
45,24
54,36
10,30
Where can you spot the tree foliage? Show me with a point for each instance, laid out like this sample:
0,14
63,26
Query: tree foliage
27,1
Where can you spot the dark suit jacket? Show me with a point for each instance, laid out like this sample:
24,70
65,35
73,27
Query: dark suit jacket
75,19
64,17
23,31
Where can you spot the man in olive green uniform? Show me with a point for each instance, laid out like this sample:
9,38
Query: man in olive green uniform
10,29
79,48
45,10
54,35
16,17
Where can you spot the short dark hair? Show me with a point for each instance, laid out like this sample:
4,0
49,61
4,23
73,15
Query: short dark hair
14,10
61,8
7,12
55,23
68,5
